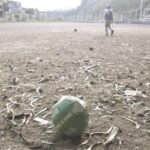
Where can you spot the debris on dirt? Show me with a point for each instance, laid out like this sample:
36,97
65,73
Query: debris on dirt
113,78
33,100
29,118
2,111
36,143
91,48
70,88
39,59
93,145
102,133
125,44
49,113
39,91
132,121
97,108
44,79
41,111
9,107
120,143
41,121
147,84
90,67
18,116
15,81
113,134
84,143
30,70
75,30
93,83
48,77
113,131
50,132
133,93
23,122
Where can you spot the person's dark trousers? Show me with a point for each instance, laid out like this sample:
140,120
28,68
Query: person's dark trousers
108,26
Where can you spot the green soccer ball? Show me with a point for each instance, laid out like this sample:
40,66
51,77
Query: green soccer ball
70,116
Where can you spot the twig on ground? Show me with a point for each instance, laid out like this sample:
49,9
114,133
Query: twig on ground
49,113
85,142
19,116
93,145
13,117
9,107
39,91
90,67
36,143
23,122
33,101
29,118
41,111
68,88
95,133
45,79
113,134
120,143
134,122
41,121
101,133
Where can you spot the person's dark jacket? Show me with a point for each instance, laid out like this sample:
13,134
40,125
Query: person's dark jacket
108,15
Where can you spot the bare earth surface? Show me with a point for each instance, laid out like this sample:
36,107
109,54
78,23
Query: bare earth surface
40,62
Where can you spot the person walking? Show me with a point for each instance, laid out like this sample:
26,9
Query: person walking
108,16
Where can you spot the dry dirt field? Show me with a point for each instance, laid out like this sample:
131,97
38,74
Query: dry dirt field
40,62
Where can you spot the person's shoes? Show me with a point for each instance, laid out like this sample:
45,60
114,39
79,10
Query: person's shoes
112,32
106,34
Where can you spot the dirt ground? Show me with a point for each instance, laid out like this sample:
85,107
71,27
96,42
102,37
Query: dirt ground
40,62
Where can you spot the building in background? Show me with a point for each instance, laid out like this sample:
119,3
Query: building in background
12,11
146,14
2,8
